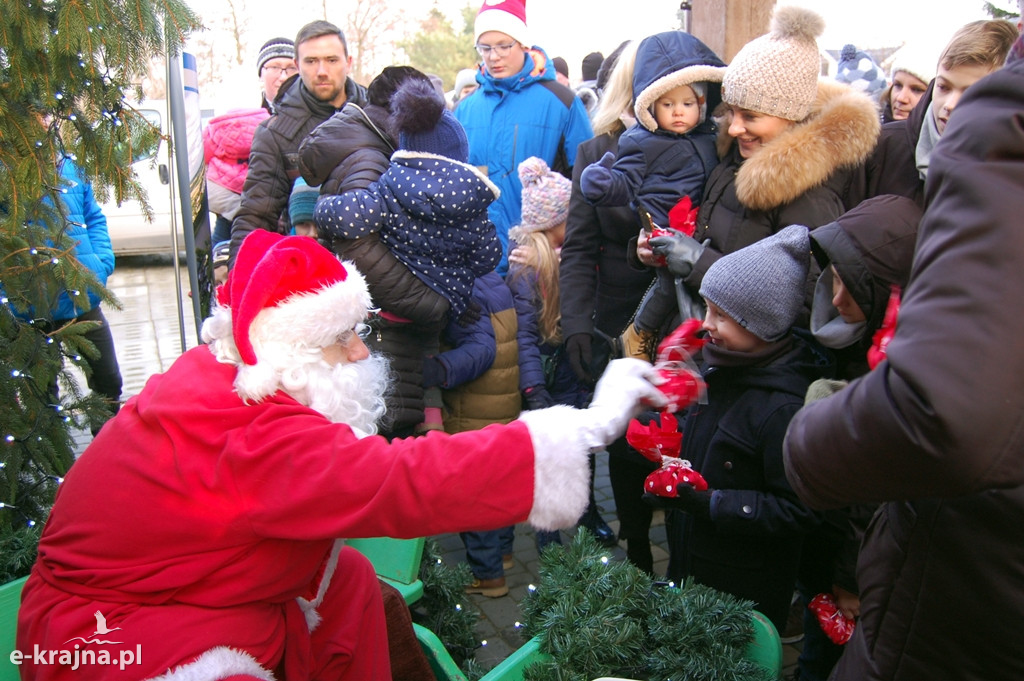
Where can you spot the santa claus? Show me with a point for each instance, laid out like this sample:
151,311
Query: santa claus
202,523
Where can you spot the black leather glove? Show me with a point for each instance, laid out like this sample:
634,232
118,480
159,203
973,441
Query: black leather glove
697,504
537,397
680,252
578,349
433,372
471,315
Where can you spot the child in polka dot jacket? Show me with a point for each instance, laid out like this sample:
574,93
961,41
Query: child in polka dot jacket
429,207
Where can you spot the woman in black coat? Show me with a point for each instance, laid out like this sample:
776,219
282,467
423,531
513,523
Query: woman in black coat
600,291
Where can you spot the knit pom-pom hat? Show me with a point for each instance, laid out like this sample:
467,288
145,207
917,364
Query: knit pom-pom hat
545,196
424,124
777,74
763,285
858,70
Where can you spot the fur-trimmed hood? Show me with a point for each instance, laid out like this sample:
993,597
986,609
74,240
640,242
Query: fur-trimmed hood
665,61
841,130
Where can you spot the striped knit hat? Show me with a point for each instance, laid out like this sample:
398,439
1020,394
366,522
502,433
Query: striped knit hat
777,74
545,196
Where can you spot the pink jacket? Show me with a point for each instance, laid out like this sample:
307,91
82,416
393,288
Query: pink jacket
226,143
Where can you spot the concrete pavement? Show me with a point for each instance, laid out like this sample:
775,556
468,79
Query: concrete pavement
148,338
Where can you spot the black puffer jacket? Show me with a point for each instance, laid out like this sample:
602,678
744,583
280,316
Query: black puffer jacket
274,157
892,166
800,177
599,289
936,429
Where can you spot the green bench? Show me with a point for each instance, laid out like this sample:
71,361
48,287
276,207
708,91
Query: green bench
10,600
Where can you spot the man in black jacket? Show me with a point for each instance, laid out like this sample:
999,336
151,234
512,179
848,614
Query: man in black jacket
322,88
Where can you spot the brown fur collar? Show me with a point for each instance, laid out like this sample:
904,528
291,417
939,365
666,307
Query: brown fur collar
840,130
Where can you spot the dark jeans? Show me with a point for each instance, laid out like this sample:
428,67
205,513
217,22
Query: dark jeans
627,470
221,231
105,375
485,549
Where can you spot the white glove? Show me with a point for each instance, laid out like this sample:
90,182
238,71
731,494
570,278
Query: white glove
626,388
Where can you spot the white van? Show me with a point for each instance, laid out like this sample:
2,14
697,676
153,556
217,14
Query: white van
130,232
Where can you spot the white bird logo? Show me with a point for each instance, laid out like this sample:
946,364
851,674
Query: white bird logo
101,624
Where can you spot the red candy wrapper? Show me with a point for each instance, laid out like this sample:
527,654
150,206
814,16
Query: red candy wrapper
880,341
682,384
682,380
683,343
837,626
655,441
683,216
665,481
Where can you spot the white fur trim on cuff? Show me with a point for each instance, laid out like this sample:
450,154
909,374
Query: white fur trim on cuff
561,487
217,663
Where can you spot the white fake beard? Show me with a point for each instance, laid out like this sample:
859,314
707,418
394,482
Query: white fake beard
344,393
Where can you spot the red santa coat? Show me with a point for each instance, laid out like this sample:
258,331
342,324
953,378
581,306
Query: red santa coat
195,521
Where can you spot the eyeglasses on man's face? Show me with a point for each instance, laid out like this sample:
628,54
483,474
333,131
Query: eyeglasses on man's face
499,50
276,71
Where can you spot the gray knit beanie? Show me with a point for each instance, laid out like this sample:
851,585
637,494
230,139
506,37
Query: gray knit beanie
777,74
763,285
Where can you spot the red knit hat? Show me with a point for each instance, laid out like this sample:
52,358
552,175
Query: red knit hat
504,16
290,289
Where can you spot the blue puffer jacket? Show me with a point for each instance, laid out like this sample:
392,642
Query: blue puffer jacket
86,225
431,212
508,120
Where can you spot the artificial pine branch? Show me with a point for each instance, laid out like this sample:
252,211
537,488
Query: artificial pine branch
68,67
599,617
445,608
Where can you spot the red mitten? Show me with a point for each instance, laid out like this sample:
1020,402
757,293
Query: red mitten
837,626
653,440
880,341
683,216
665,481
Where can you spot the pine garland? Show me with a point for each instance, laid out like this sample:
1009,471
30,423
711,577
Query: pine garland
445,608
599,617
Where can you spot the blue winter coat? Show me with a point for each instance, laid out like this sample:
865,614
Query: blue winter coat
87,226
655,168
431,212
508,120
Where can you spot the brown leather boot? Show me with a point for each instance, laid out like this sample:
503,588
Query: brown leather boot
637,343
492,588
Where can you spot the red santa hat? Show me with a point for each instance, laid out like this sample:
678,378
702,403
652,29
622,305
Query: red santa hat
291,290
504,16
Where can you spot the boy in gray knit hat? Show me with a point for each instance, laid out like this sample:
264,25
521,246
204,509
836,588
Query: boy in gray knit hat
744,534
